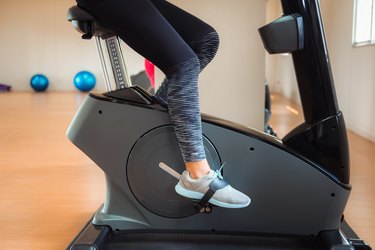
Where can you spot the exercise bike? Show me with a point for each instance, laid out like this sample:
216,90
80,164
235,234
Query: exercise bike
299,185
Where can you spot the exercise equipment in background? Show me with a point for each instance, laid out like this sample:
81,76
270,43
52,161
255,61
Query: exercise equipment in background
84,81
142,79
267,112
39,82
4,88
150,71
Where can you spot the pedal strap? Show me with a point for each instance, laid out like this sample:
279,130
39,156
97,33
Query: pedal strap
216,184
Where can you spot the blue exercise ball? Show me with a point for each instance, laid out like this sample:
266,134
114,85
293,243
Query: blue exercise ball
39,82
84,81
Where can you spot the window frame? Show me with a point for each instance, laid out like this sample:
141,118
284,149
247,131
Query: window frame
371,41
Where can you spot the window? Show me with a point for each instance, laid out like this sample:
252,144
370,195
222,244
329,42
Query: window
364,22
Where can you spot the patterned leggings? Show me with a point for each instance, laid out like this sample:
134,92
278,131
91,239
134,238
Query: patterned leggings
179,44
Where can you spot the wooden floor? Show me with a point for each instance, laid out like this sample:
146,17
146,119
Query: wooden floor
48,189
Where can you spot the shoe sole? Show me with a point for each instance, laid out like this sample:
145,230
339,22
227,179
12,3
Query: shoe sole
197,196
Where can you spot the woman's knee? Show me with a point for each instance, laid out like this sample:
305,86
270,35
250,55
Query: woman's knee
184,75
206,48
190,67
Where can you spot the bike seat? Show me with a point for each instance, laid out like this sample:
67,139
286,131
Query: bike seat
87,24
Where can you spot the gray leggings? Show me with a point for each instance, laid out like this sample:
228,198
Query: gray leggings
179,91
178,43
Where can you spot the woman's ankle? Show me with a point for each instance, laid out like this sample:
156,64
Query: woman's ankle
197,169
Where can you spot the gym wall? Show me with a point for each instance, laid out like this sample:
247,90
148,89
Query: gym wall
232,86
36,38
353,68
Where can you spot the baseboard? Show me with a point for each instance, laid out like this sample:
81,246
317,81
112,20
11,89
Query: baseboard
360,132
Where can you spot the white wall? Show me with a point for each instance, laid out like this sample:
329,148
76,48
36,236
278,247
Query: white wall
232,86
352,67
37,39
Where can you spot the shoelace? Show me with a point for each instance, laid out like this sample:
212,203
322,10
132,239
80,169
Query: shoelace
218,172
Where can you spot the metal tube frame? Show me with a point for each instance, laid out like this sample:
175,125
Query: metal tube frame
103,64
114,57
120,74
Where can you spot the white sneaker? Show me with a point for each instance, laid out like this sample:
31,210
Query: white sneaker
223,194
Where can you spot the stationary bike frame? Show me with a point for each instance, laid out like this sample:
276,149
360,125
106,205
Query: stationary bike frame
324,121
309,168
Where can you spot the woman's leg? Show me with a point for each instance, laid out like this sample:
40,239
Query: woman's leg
145,29
204,41
200,36
141,25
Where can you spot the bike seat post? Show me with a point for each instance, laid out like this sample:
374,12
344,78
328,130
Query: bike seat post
103,63
110,53
117,62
